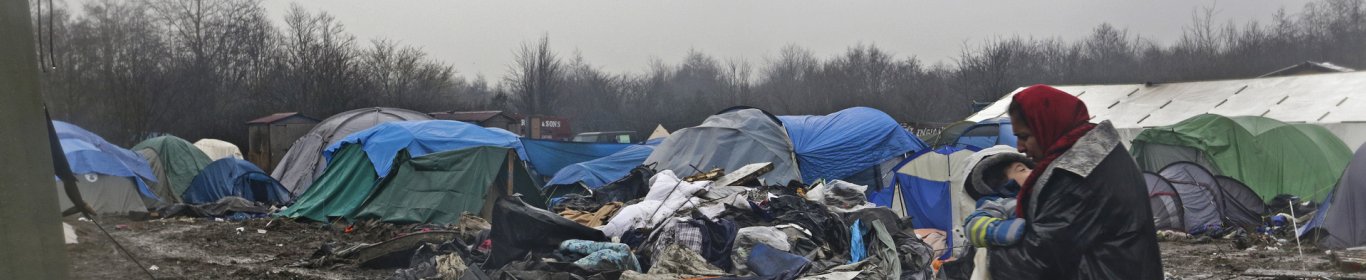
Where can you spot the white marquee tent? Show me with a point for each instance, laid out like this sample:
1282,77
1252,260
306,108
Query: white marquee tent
1337,101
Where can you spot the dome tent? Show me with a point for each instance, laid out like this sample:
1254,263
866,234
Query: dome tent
1267,155
111,180
844,143
175,163
730,140
304,161
218,149
234,177
415,172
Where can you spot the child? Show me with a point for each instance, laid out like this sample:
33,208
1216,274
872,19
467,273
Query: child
995,182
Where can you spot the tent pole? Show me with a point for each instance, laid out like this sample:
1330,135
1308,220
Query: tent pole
32,247
512,156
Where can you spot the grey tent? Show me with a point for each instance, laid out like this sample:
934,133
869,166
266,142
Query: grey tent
1340,222
730,140
304,162
107,194
1197,188
1239,204
1165,202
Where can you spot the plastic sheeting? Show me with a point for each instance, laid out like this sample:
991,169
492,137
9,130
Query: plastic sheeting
304,162
730,140
843,143
382,142
602,171
235,177
1341,219
95,155
548,157
174,161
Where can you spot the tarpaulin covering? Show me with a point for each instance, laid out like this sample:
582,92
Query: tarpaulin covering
1269,156
218,149
235,177
174,161
730,140
548,157
344,186
1341,219
85,158
520,229
438,188
103,157
843,143
382,142
599,172
304,162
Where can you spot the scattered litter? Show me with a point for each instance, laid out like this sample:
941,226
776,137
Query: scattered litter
121,226
218,219
241,229
261,231
83,219
154,268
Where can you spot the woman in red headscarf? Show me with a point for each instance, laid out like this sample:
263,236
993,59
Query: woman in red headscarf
1085,204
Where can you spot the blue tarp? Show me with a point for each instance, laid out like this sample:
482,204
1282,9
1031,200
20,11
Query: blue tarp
89,153
234,177
987,133
548,157
381,143
842,144
927,201
599,172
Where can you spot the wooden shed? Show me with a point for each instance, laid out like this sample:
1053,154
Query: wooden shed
271,136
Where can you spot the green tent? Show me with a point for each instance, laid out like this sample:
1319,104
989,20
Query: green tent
346,183
1270,156
175,163
435,188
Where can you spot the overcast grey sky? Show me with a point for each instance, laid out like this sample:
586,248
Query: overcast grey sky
478,37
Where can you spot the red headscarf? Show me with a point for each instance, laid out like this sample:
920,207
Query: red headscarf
1057,119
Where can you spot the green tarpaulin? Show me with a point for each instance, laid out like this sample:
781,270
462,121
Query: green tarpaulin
347,182
435,188
175,163
1270,156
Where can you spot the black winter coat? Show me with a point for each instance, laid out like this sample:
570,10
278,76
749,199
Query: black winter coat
1088,218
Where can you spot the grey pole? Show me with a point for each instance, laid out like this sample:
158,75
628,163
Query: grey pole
31,240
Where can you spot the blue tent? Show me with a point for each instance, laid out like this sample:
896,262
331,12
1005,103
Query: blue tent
548,157
839,145
922,190
599,172
382,143
987,133
89,153
234,177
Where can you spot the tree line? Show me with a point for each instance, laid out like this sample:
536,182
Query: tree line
200,69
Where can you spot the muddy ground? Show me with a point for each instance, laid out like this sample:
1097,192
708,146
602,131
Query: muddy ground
207,249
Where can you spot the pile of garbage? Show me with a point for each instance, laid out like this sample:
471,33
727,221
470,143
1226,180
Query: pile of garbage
710,225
